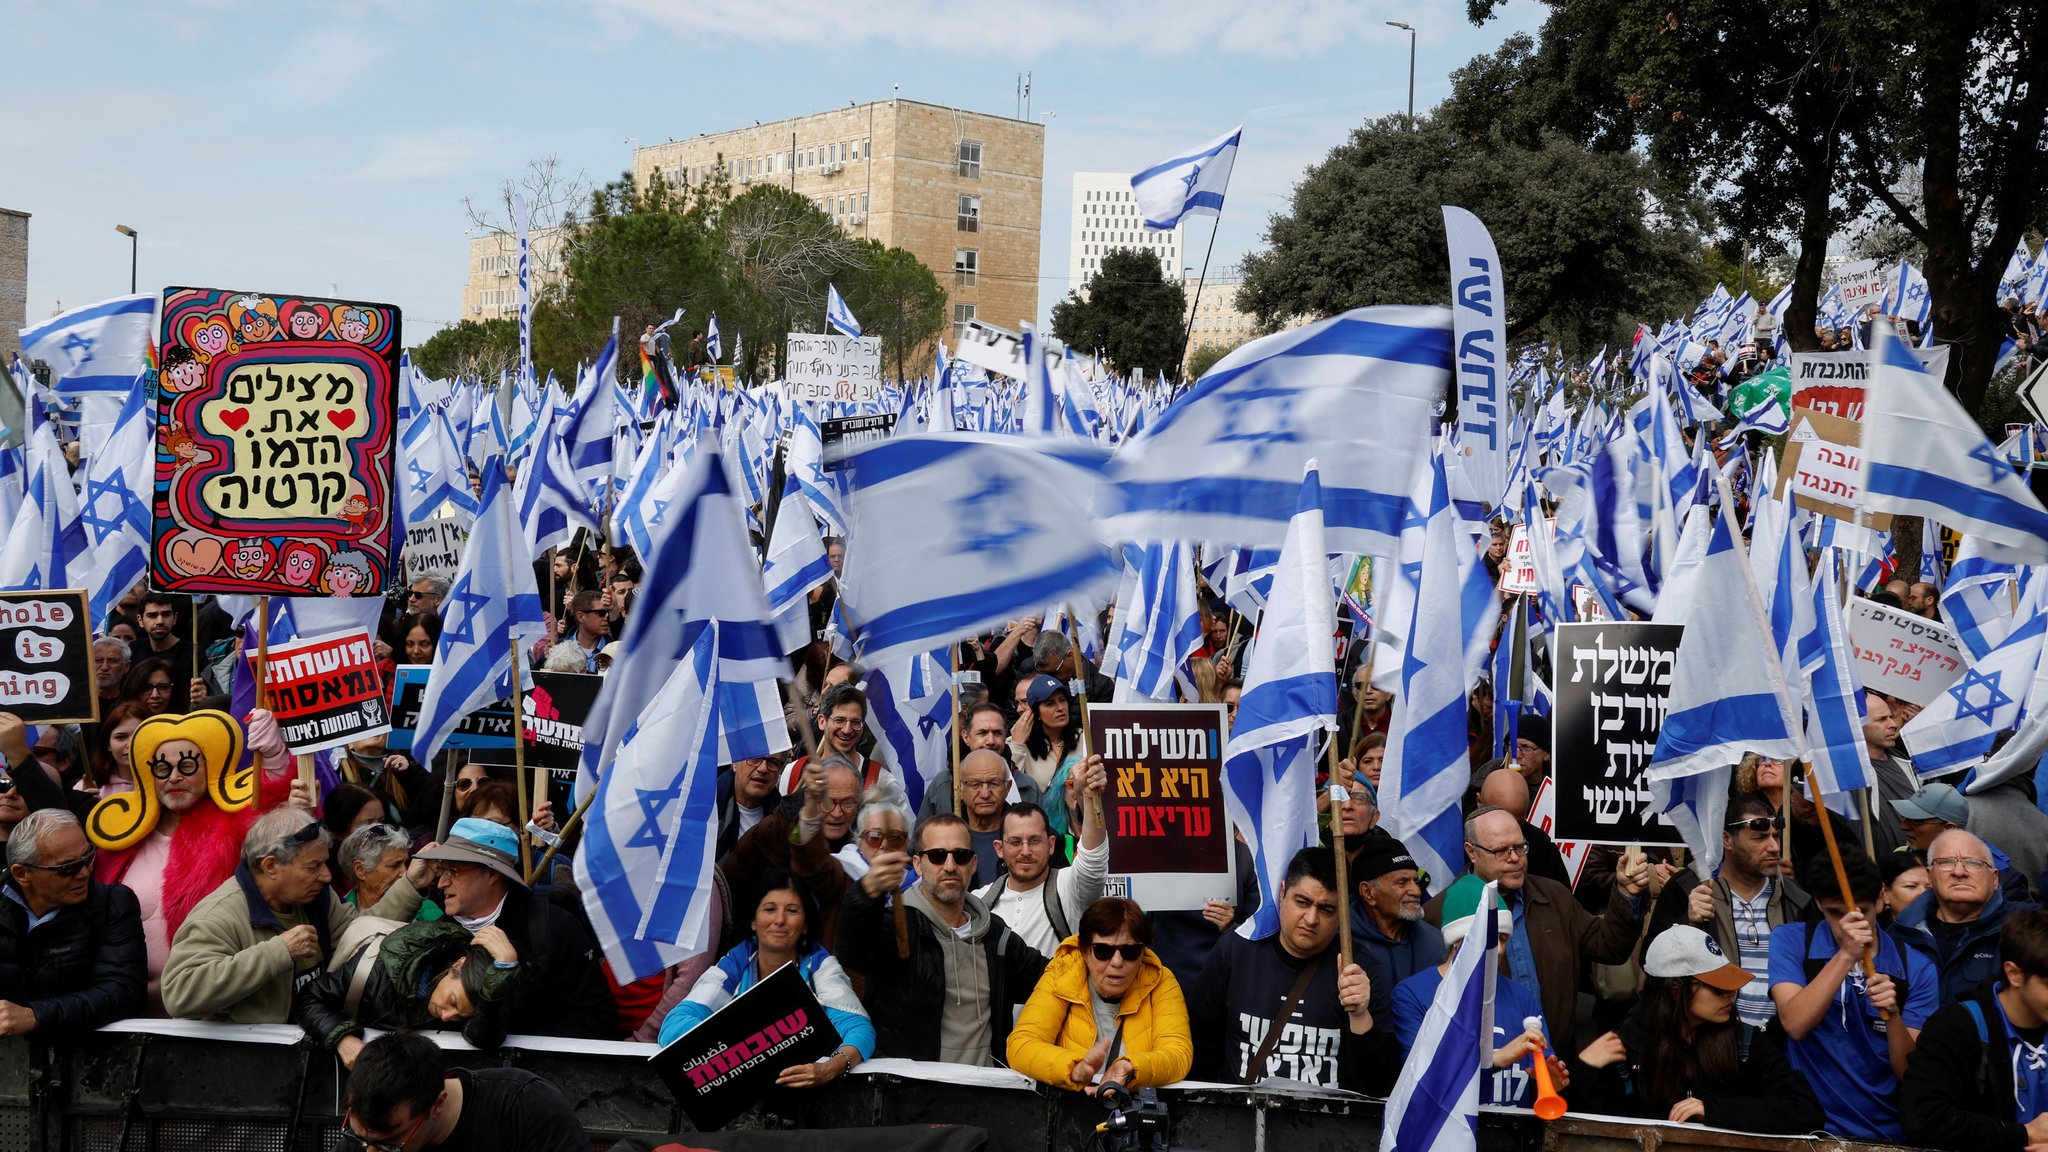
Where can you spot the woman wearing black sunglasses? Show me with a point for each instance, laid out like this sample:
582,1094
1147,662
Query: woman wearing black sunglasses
1106,1009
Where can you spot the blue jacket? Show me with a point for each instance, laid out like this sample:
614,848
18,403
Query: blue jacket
1971,964
734,974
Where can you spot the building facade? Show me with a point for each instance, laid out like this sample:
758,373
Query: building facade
962,191
13,280
1218,322
1105,217
492,290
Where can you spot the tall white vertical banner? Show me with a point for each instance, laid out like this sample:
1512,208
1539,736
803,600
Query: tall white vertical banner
522,223
1479,327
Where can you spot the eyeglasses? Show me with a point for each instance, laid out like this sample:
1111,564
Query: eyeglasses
6,785
412,595
843,804
154,689
1761,825
937,856
1969,864
1024,842
188,764
306,835
1132,953
884,839
357,1142
465,784
1510,852
70,868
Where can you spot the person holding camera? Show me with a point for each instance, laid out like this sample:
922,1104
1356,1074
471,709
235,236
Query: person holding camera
1106,1010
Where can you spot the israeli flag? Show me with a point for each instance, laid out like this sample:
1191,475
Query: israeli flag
1977,601
646,864
1923,455
551,503
46,545
491,608
100,348
711,345
837,314
1434,1106
1358,392
1834,700
1428,764
797,563
1169,624
114,506
1289,701
432,473
910,710
804,461
1955,731
950,535
1907,296
586,434
1190,184
700,571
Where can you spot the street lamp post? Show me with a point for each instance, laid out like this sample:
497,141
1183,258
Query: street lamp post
125,230
1410,30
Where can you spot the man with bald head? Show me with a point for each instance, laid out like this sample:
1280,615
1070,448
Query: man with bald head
1554,938
984,793
1039,900
1507,789
1957,920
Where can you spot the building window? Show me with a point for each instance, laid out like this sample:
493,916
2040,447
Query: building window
970,159
966,263
863,203
970,214
962,313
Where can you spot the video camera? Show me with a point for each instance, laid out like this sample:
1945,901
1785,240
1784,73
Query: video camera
1135,1122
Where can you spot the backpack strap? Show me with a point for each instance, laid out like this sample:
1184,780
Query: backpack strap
359,978
1976,1012
1055,908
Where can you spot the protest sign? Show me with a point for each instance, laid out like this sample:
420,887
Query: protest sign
325,691
844,435
1518,568
724,1065
1169,837
1823,468
489,727
998,350
1831,383
1862,282
834,367
1543,814
1903,655
554,708
274,438
1613,686
434,548
46,658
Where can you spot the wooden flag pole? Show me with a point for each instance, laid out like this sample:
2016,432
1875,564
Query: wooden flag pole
519,759
1827,833
1094,800
568,826
959,802
1339,794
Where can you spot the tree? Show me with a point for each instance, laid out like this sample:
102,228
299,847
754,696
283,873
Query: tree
1203,358
897,298
776,253
1590,240
476,349
1128,311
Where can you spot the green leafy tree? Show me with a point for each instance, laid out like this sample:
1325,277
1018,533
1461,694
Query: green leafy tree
478,349
1128,311
898,299
776,253
1203,358
1590,240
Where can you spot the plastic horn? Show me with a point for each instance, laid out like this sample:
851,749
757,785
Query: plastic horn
1549,1105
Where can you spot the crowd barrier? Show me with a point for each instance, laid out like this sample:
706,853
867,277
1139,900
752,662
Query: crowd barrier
174,1086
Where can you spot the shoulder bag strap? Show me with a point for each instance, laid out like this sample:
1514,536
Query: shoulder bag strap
1256,1071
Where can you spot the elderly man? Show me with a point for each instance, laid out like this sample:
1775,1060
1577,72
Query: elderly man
71,950
562,991
1937,808
746,793
987,729
1554,937
1038,900
252,942
425,595
985,787
955,998
1956,921
110,663
1506,787
1743,904
827,795
1285,1005
1392,940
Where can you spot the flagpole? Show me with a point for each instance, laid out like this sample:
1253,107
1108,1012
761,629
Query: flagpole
1188,335
953,652
1827,832
448,795
1338,797
1094,799
561,838
519,756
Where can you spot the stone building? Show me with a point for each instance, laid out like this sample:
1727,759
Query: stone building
13,280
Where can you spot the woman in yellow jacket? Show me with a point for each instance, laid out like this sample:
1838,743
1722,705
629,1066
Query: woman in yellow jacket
1106,1009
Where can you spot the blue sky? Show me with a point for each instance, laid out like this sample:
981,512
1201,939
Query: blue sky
294,147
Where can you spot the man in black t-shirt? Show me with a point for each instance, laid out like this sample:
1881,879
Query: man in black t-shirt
400,1094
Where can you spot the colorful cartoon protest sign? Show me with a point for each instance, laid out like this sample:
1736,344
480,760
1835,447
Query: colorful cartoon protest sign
274,445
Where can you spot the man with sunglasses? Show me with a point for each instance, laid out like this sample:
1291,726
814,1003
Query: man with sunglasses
746,793
955,997
1743,904
402,1097
71,950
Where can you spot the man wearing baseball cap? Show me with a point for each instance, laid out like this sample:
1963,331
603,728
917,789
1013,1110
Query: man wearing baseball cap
563,991
1390,938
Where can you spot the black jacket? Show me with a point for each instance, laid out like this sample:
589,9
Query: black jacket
1768,1096
562,989
1958,1090
905,998
392,998
80,969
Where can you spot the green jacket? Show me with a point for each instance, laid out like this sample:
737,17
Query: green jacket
395,992
228,963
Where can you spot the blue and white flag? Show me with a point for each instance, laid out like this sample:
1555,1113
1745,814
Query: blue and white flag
804,461
46,546
551,503
950,535
837,314
1923,455
1434,1106
100,348
910,710
1977,601
1289,702
1190,184
646,866
1728,692
432,472
1955,731
797,563
1907,296
711,345
586,435
1834,710
1357,392
114,506
700,571
491,608
1167,621
1428,763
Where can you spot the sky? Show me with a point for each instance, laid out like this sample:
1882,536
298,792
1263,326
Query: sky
312,148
